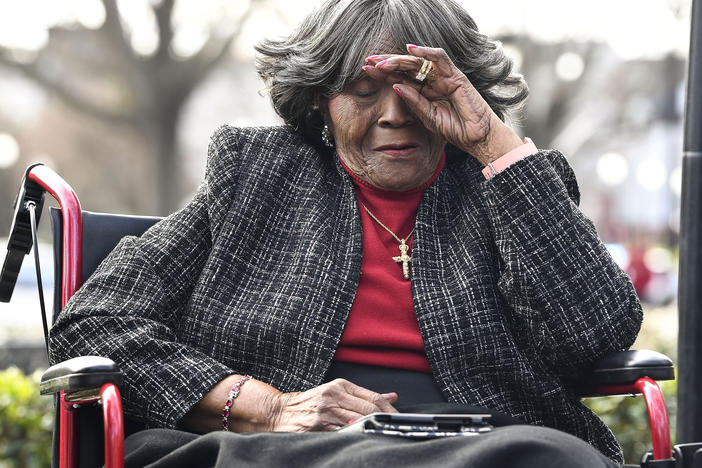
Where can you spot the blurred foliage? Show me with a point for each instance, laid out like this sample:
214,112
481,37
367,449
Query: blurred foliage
628,419
26,421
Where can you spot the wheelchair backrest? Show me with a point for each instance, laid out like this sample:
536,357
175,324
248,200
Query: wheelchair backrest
101,233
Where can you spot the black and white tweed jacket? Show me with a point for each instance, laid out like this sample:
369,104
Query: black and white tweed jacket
513,290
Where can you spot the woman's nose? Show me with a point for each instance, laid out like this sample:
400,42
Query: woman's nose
393,111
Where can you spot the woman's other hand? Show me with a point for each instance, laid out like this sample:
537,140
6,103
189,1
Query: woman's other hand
446,103
260,407
328,407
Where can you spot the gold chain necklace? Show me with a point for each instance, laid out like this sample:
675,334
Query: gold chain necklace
403,258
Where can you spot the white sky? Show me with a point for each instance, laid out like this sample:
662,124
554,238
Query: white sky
633,28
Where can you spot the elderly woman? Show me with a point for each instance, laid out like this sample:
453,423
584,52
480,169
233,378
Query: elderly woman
395,242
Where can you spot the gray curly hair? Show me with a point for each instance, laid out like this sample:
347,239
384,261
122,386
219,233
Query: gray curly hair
325,53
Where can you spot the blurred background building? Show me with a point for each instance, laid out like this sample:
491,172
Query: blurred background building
120,97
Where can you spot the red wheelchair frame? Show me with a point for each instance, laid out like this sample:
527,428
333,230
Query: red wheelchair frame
109,396
71,280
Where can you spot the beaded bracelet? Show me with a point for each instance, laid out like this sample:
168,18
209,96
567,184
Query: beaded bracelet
233,393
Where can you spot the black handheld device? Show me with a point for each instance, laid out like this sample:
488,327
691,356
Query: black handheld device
421,426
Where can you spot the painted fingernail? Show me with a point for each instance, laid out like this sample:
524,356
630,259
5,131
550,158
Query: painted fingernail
366,67
372,57
351,421
399,93
411,46
380,64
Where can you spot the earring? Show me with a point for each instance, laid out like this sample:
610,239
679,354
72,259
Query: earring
327,137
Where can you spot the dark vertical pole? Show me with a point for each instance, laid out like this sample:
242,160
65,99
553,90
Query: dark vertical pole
690,289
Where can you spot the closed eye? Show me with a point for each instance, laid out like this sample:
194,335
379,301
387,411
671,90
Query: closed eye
364,94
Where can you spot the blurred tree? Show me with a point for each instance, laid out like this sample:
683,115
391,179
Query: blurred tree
100,75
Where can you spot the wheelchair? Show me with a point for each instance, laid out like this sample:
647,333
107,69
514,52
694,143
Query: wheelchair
86,389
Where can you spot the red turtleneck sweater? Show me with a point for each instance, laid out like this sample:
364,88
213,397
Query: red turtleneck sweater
382,328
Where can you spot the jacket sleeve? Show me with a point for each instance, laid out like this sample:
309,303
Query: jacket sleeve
129,311
556,274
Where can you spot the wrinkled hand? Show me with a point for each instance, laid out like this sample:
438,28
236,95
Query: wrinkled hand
448,105
328,407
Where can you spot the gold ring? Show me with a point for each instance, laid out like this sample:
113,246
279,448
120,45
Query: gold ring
431,74
422,74
426,68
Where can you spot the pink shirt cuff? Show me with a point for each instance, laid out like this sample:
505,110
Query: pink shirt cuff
503,162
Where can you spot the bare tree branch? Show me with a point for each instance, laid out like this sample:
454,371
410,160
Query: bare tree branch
203,62
163,14
115,31
113,27
31,70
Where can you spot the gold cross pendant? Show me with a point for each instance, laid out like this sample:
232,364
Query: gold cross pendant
404,259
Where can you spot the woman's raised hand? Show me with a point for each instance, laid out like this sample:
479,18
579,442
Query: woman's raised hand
328,407
446,102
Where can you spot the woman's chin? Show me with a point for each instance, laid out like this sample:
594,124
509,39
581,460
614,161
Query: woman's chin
398,184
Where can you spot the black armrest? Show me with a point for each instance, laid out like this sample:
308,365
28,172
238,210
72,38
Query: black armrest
78,374
624,367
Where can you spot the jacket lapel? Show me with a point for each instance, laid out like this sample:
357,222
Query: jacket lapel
454,272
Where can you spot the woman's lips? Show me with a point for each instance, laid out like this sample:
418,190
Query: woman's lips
404,149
